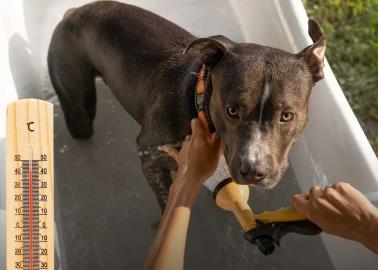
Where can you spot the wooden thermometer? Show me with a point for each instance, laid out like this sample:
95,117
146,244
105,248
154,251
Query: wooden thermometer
30,185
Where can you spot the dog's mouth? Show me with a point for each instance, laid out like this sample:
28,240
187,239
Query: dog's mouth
269,181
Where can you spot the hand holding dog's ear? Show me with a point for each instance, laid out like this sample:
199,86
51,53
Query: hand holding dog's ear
314,54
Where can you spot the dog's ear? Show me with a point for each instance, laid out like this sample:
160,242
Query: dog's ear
314,54
213,48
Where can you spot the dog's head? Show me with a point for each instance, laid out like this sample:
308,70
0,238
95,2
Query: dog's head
259,101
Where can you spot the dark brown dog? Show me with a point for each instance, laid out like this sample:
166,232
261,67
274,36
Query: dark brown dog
256,96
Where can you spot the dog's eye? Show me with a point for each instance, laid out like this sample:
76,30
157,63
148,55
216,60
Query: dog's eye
232,112
286,117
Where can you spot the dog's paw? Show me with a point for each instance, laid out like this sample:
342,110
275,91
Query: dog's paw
81,133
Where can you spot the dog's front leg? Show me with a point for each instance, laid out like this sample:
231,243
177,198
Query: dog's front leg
157,171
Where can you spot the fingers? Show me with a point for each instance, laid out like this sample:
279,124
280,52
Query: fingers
302,196
215,140
319,199
348,191
315,192
221,148
301,203
198,128
335,198
342,187
170,150
306,203
195,125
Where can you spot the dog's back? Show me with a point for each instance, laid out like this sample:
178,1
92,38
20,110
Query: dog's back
89,41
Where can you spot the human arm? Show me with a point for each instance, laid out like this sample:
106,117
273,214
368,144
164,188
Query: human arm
197,160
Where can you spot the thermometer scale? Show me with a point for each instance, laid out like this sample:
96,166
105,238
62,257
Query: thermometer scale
30,185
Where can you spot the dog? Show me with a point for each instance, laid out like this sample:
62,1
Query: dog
256,97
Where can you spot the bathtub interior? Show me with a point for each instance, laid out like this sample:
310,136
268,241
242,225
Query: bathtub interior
105,212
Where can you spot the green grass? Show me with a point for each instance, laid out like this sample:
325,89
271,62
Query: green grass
351,28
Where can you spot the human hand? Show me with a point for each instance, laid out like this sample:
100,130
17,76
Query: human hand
341,210
199,155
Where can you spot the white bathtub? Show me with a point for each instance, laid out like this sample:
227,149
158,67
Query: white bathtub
332,147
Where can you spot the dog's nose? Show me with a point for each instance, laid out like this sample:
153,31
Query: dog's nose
252,171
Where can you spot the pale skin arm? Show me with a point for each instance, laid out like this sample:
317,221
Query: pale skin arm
343,211
196,161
